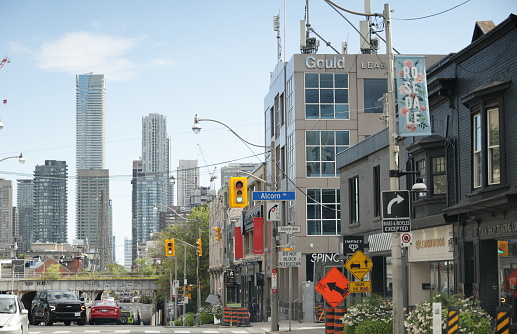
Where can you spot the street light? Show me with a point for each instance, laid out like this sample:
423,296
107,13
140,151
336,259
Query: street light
274,251
20,157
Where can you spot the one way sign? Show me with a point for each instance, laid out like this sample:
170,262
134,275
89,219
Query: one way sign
395,204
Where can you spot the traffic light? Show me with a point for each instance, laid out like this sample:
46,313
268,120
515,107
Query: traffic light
169,247
238,192
217,233
199,244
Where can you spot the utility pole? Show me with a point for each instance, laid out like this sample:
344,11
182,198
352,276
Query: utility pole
396,248
274,250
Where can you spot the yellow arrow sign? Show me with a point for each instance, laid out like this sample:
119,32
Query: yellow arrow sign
359,265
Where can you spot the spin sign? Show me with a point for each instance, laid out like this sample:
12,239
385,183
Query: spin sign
333,287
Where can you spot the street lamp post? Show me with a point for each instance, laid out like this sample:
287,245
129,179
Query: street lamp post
274,251
20,158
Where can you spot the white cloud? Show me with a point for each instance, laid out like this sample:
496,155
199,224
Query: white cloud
82,52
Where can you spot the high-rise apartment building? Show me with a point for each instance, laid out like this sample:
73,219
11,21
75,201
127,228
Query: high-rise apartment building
25,203
90,121
50,222
128,253
6,211
187,182
233,170
93,211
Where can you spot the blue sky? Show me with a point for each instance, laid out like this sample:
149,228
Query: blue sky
176,58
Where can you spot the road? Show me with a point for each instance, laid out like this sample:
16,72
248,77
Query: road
260,327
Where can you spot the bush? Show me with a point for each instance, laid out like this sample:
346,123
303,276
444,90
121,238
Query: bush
377,327
189,319
472,319
371,307
178,323
206,318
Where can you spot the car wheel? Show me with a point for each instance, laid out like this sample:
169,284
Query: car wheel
33,320
123,320
46,319
91,322
81,323
67,323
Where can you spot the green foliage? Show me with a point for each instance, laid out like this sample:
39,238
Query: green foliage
206,318
472,319
178,323
52,272
370,308
189,319
115,268
377,327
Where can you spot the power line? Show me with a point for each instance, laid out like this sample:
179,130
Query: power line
428,16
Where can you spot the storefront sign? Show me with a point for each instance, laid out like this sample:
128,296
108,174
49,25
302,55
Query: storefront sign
498,229
431,244
258,236
325,257
372,65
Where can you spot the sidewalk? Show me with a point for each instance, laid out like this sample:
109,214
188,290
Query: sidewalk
306,327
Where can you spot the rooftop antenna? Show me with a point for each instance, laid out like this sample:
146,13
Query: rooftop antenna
276,25
307,44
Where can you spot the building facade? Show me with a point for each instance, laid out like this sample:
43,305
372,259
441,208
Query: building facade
233,169
25,203
6,211
50,202
187,182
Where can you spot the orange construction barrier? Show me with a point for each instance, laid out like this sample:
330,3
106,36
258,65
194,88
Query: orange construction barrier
227,316
329,320
339,326
320,314
244,316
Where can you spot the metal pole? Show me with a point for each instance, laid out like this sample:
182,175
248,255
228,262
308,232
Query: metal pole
396,249
184,282
274,250
170,291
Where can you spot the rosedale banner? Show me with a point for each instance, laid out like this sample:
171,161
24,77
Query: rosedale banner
413,104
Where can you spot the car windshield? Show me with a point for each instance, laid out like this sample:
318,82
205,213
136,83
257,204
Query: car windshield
61,295
7,305
105,303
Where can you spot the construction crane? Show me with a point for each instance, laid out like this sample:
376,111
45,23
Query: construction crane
212,175
2,63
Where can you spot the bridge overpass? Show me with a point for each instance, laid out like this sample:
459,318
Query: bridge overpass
26,288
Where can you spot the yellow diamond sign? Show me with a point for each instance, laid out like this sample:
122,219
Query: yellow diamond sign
359,265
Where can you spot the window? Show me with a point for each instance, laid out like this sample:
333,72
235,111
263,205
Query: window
321,148
290,101
374,89
353,188
323,212
485,129
326,96
438,177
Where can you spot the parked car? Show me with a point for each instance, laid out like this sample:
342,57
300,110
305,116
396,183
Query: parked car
125,299
130,318
49,306
14,318
105,311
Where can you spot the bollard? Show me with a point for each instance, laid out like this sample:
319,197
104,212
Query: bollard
321,314
503,320
339,326
329,320
453,320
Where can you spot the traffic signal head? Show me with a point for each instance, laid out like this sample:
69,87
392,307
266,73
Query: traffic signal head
217,233
238,192
169,247
199,244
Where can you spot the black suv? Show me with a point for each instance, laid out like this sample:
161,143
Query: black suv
49,306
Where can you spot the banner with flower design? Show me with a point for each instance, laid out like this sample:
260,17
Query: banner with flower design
413,104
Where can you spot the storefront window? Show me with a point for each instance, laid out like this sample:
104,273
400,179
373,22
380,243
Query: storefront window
442,277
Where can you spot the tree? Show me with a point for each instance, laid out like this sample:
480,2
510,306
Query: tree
115,268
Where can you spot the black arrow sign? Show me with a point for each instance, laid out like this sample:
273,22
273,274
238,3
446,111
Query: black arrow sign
273,209
333,287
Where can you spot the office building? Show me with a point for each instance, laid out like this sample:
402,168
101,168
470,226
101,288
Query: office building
128,253
50,202
6,220
233,170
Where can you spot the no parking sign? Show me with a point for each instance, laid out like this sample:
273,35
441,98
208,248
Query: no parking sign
406,239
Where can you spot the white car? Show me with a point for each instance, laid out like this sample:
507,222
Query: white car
14,318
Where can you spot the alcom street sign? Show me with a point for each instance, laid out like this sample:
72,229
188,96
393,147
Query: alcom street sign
273,196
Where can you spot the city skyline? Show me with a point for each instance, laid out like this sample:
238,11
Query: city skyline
150,66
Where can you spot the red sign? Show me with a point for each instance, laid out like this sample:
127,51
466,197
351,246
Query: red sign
333,287
510,283
258,236
238,243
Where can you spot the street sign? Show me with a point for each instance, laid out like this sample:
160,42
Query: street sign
289,259
396,225
395,204
290,229
273,196
273,211
406,239
359,265
360,286
351,244
333,287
